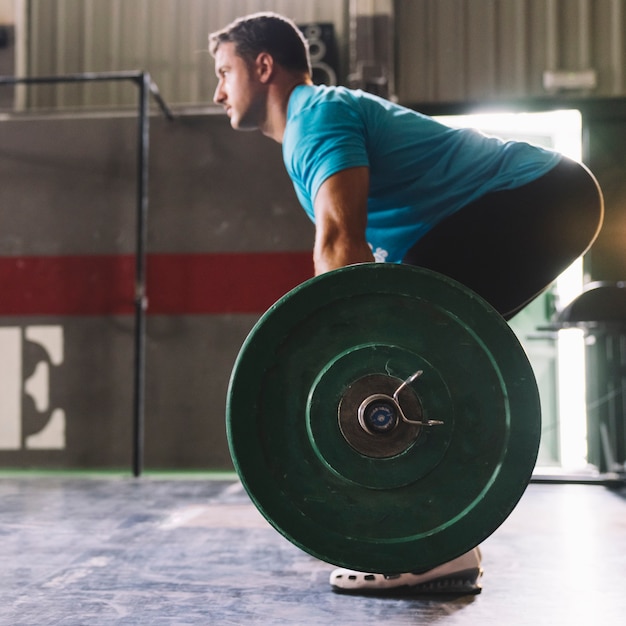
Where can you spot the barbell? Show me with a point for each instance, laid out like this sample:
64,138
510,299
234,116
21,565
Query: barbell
383,418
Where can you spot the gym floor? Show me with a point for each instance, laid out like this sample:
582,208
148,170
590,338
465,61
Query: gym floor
187,551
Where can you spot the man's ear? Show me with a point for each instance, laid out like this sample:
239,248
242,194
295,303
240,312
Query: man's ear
264,65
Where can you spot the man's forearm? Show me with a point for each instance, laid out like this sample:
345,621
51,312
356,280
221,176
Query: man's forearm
331,257
341,221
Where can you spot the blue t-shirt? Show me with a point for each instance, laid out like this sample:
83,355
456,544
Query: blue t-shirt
421,171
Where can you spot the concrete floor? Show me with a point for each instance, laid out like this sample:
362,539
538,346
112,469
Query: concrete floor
100,551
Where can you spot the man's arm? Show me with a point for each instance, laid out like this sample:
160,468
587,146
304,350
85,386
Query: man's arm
340,220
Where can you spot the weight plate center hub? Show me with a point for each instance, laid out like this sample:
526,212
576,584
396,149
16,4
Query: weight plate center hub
373,422
379,414
370,424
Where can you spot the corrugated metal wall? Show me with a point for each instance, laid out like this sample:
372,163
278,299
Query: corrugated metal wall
460,50
447,50
168,38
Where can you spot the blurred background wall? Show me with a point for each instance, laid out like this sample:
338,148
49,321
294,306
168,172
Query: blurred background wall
226,236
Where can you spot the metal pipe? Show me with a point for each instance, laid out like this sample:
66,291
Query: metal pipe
156,94
133,75
141,303
71,78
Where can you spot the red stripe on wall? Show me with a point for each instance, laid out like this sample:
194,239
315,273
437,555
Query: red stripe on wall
223,283
67,285
176,283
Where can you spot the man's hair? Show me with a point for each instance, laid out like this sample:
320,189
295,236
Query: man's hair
266,32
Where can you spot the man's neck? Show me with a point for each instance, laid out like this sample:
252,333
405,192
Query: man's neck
277,106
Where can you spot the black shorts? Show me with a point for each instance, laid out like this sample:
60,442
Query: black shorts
509,246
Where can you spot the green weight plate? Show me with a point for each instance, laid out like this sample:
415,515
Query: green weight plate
351,482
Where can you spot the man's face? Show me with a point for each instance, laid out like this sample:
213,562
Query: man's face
238,89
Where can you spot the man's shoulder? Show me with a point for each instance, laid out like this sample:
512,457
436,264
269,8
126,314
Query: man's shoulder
320,100
308,96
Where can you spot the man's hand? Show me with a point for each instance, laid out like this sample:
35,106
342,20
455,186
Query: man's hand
341,218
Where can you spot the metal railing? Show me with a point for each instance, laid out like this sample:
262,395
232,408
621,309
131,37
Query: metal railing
147,88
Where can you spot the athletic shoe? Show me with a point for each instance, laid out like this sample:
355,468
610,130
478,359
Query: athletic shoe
459,576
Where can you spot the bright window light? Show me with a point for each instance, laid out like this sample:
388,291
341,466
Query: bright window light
561,131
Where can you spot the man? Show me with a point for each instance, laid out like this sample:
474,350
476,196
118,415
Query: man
384,183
